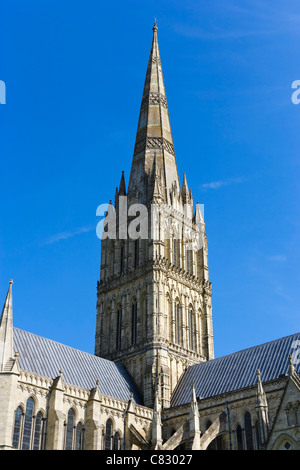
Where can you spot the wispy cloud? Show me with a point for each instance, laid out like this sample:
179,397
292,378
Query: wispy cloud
66,235
277,258
233,21
200,33
220,183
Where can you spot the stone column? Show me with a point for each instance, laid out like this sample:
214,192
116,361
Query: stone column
208,324
156,440
8,387
93,413
56,417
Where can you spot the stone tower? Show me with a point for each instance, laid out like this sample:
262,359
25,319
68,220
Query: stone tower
154,295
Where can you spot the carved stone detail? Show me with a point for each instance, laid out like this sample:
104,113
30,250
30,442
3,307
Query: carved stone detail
154,143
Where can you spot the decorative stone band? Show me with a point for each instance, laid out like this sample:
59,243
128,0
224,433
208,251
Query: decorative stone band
154,143
154,99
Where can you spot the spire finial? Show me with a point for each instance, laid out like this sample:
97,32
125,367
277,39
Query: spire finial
11,281
155,24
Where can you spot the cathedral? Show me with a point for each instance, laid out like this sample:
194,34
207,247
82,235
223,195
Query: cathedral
153,382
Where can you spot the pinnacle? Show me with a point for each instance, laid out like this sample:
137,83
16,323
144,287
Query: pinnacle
122,188
6,329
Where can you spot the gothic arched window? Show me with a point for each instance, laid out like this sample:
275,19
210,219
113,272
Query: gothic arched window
134,322
108,434
136,253
17,427
239,438
122,259
191,331
175,254
248,431
27,424
167,249
257,434
38,432
189,261
70,430
144,317
177,323
111,258
28,429
116,441
79,436
208,424
119,328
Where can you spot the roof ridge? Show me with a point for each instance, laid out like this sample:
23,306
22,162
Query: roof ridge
45,357
66,345
252,347
236,370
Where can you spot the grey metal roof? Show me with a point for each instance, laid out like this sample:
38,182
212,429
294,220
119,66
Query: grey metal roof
45,357
238,370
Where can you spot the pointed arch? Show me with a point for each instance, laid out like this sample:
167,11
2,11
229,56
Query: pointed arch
134,313
248,431
143,315
19,413
29,429
69,431
108,325
136,253
208,424
116,442
122,257
192,327
239,438
79,436
39,431
28,421
285,442
111,258
119,321
189,259
108,434
178,321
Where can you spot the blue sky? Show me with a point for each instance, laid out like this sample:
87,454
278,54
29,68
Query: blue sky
74,75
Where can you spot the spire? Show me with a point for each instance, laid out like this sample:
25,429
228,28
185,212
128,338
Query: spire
6,329
194,420
122,188
261,399
185,190
194,413
198,215
154,134
194,398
